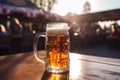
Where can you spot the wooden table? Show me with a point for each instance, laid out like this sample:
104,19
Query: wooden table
24,66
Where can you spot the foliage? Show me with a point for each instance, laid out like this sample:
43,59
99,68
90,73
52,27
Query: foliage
45,4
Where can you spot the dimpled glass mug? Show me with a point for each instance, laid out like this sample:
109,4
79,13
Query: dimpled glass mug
57,47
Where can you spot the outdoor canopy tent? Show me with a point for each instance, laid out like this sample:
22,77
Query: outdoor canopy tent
99,16
28,9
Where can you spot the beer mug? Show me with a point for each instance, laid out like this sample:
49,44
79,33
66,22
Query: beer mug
57,47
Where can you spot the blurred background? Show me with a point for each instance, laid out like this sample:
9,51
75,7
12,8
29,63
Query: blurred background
92,23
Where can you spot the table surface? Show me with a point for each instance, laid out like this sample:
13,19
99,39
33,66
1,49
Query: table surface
24,66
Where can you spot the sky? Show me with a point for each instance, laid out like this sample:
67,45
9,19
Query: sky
62,7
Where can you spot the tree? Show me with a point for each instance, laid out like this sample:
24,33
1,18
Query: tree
86,7
45,4
50,4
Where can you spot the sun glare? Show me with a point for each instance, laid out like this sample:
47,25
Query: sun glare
75,66
75,6
64,6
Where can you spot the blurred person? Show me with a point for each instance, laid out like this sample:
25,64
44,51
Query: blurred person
16,31
115,30
2,30
113,40
16,28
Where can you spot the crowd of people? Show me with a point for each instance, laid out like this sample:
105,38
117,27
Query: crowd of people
87,35
17,35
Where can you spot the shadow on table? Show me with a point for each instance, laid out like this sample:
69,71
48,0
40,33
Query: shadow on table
8,65
55,76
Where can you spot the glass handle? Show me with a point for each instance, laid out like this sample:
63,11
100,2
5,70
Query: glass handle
40,56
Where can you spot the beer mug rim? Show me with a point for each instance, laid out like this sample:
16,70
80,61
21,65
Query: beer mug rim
57,28
57,25
50,23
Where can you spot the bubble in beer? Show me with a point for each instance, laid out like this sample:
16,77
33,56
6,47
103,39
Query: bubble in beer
57,46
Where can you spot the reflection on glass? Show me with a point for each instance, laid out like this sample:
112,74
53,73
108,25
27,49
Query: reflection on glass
75,72
75,67
55,76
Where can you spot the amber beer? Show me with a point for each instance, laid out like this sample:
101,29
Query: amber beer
57,47
56,53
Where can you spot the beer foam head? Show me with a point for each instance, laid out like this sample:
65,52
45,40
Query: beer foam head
57,28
